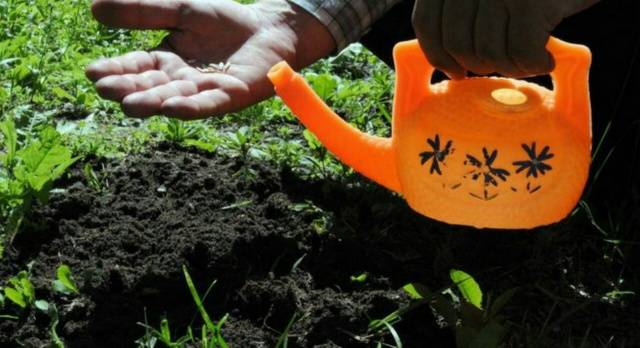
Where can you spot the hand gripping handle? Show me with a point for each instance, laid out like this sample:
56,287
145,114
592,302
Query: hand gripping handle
570,79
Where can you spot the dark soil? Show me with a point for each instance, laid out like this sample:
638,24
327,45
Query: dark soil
169,207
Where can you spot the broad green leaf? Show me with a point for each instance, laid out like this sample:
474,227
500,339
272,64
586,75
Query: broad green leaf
417,291
323,84
26,286
312,140
468,287
49,136
60,288
360,278
164,330
42,305
8,129
4,95
65,279
200,145
21,291
41,165
15,296
62,94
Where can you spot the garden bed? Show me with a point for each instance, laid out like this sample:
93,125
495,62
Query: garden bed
332,256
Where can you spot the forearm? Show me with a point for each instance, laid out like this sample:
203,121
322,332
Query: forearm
309,39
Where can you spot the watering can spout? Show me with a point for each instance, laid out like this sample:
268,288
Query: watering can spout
369,155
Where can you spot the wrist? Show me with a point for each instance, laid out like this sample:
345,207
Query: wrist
306,39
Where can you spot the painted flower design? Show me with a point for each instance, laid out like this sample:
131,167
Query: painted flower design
536,162
437,155
485,168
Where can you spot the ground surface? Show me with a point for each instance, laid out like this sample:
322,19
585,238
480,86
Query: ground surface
170,207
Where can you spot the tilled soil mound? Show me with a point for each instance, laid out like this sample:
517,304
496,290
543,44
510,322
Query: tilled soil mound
126,245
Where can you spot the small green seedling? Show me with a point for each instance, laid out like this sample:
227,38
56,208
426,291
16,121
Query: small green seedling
283,339
324,84
64,283
20,290
182,132
320,159
28,173
360,278
51,310
92,178
473,326
239,142
467,286
177,130
163,335
379,328
321,224
211,332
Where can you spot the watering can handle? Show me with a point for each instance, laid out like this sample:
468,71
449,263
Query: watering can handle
570,78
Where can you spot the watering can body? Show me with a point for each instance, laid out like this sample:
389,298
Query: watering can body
485,152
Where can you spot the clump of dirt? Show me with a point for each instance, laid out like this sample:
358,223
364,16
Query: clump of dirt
245,226
166,208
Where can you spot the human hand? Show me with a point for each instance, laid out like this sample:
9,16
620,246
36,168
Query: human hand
250,38
486,36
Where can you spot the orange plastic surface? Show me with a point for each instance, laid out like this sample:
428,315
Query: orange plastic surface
484,152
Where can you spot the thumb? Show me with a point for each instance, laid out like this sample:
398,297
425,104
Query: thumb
139,14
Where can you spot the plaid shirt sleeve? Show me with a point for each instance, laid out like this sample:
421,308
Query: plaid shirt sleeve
347,20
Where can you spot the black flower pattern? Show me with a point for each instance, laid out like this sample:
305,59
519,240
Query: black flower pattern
485,169
437,156
536,162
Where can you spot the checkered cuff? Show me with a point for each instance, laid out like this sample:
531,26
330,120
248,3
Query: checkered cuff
346,20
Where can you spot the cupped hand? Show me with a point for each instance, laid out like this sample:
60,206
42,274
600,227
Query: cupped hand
167,81
487,36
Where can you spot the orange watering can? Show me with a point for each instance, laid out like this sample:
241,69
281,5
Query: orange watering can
484,151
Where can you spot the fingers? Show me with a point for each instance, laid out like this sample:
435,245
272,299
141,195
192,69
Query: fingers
458,26
189,95
116,87
527,38
491,29
136,71
231,95
484,36
427,24
149,102
139,14
133,72
130,63
160,82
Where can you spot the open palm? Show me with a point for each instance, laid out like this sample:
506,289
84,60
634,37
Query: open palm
166,80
